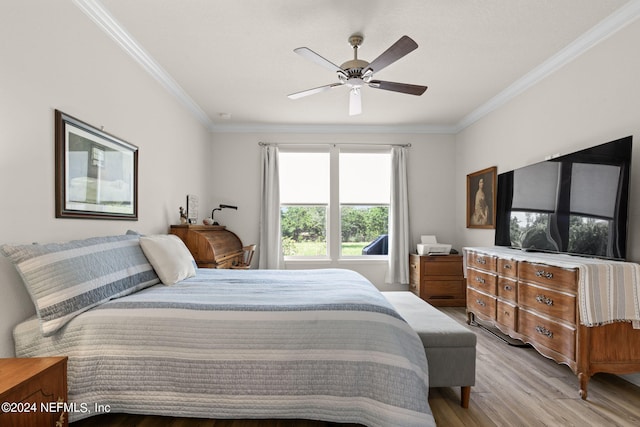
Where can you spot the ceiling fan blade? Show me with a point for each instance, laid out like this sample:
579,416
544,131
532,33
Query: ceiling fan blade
311,55
313,91
398,87
391,55
355,102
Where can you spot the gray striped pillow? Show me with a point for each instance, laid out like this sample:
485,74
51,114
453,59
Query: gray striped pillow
65,279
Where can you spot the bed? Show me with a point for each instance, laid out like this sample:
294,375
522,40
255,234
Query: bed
312,344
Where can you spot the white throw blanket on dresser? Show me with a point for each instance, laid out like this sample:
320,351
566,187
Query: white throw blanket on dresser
608,291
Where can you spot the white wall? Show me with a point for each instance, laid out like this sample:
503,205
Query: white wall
236,181
592,100
54,57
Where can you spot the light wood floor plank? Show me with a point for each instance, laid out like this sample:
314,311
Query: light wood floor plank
515,386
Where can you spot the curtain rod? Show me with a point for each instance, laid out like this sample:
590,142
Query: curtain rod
276,144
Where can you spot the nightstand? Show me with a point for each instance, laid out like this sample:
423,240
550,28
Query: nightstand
30,389
438,279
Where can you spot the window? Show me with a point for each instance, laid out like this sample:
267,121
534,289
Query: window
364,203
304,203
334,203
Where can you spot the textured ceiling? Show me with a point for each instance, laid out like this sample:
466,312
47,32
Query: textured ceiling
236,57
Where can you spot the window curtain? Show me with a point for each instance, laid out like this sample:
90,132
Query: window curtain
399,219
270,247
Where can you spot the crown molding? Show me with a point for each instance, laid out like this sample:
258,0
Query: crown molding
96,11
347,129
604,29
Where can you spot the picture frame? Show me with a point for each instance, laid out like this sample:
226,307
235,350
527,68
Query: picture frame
481,198
193,203
96,173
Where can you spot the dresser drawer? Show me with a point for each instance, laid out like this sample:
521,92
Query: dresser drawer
480,303
556,277
547,301
481,280
506,314
507,289
507,268
553,335
481,261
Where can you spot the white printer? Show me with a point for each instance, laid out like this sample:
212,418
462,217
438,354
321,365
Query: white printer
430,246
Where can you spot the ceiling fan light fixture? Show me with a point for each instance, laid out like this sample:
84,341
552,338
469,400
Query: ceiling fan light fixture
357,73
355,83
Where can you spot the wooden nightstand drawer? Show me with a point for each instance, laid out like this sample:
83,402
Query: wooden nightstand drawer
444,289
33,387
442,266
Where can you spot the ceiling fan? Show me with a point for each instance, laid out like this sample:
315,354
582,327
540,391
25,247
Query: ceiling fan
357,73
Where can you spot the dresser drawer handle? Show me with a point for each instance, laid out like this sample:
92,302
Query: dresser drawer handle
507,267
481,303
544,274
544,331
544,300
508,287
480,260
480,280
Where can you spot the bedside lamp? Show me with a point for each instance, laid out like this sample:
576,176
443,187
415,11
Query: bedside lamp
219,209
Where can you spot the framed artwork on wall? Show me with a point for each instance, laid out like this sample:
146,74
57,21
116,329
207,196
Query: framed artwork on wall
96,173
481,198
192,208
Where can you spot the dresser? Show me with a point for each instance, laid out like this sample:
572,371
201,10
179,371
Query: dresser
437,279
33,392
212,246
533,299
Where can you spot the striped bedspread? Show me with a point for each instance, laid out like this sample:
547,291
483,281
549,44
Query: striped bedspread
608,291
313,344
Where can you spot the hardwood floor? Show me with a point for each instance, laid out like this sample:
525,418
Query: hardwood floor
515,386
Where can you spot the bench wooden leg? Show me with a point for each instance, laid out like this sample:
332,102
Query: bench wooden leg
465,394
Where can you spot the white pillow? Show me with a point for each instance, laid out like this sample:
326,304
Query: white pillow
169,257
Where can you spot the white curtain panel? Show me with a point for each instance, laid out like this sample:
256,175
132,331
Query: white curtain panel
270,247
399,219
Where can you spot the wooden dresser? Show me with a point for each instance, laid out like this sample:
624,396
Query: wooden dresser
538,303
33,391
212,246
437,279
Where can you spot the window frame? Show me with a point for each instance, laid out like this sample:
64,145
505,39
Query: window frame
334,223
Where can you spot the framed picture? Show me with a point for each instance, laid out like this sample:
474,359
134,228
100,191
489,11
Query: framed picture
96,173
481,198
192,209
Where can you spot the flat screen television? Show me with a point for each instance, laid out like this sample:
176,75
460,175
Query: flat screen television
575,204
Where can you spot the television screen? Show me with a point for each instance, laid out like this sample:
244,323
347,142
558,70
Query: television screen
576,203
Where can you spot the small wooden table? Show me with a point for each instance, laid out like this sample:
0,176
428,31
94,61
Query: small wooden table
438,279
33,392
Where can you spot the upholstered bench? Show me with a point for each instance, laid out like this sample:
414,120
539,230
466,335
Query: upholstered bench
449,346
